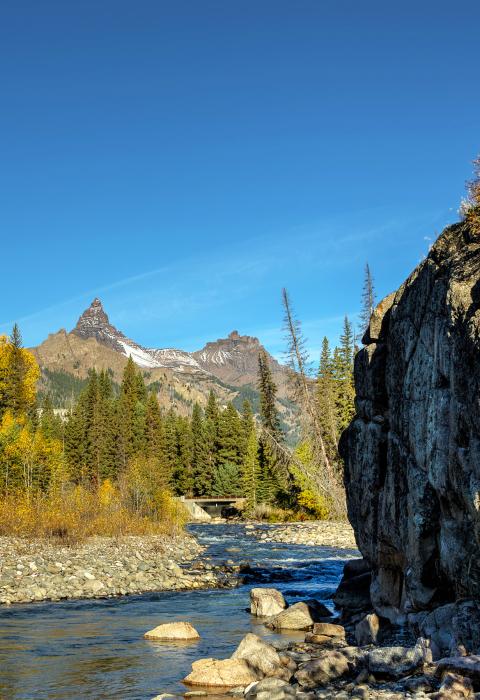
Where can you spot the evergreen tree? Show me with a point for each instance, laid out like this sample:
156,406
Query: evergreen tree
250,471
267,479
154,433
183,475
203,468
247,426
17,400
211,427
212,412
155,440
230,436
74,443
106,431
171,449
368,301
268,392
51,426
131,413
343,368
227,481
80,433
326,399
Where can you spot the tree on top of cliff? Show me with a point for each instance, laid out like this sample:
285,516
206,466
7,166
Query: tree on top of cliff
368,300
473,186
470,207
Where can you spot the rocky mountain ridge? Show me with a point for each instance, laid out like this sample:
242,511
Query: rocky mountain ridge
94,323
233,359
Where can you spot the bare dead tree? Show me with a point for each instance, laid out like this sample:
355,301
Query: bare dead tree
302,390
473,186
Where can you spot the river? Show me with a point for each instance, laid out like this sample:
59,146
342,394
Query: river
95,648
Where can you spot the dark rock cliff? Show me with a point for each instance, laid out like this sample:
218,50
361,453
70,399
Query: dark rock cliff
412,452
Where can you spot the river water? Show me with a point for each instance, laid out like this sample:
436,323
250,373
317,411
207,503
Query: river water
95,649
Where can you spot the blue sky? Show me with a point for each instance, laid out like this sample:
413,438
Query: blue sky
186,160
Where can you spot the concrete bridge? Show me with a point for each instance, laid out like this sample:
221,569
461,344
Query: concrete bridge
206,507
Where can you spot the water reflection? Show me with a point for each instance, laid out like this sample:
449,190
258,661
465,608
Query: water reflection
95,649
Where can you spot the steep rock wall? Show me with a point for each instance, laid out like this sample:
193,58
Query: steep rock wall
412,452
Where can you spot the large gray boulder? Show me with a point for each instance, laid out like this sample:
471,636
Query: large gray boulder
224,673
270,689
300,616
329,666
266,602
468,666
260,656
454,629
395,662
413,449
366,631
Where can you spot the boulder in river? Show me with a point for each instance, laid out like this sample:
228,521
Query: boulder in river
299,616
225,673
266,602
175,631
329,630
260,656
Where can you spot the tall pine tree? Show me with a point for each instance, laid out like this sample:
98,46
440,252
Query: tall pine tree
368,301
250,471
268,391
326,399
343,360
230,436
203,467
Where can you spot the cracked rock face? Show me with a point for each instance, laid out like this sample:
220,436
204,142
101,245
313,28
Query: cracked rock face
412,452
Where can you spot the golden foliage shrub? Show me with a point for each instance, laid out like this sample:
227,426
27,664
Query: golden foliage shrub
73,513
313,503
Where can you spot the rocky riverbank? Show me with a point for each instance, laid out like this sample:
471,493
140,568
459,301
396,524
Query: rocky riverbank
362,657
321,533
35,570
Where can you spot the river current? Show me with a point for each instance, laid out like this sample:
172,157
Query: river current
95,648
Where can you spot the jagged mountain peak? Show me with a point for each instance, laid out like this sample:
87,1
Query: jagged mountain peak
94,323
93,316
233,359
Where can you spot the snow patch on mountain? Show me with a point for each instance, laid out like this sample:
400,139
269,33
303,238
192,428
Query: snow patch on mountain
140,356
94,323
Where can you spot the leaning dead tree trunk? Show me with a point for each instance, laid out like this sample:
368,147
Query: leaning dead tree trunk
326,479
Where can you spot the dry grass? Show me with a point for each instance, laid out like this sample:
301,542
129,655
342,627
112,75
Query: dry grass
76,513
272,514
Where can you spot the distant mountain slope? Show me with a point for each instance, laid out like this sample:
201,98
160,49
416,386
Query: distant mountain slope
235,360
180,378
